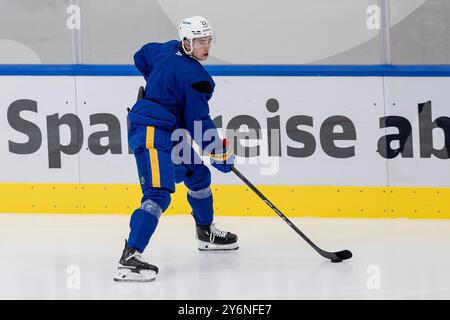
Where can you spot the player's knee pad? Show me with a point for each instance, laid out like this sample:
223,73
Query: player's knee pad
200,194
160,196
151,207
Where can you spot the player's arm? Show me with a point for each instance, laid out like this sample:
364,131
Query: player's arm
196,114
143,57
196,117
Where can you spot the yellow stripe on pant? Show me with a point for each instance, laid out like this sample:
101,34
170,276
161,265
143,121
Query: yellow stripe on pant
153,154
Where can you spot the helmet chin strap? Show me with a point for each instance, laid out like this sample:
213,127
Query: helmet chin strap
189,53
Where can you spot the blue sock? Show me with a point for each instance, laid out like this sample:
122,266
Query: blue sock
202,209
143,223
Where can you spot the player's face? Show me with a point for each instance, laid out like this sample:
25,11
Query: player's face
201,47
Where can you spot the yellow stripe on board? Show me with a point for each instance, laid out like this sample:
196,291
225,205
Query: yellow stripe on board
234,200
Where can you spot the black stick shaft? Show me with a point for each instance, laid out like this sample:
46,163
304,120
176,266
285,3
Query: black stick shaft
270,204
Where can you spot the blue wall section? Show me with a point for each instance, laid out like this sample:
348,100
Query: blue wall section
239,70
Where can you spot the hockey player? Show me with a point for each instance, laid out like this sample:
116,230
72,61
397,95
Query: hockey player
176,96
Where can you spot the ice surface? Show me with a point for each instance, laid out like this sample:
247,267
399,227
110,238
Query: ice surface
51,256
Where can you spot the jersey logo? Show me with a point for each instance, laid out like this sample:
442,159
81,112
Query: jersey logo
202,87
178,53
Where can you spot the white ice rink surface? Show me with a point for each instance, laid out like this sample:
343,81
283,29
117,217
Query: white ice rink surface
75,256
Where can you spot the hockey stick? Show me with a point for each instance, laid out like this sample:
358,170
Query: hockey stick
333,256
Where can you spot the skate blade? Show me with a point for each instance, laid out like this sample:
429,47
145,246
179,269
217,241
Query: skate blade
128,275
207,246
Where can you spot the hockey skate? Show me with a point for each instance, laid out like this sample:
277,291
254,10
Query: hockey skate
212,239
133,269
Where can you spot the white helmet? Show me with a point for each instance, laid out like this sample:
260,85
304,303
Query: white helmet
194,27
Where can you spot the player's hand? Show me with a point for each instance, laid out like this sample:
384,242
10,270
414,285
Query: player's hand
223,158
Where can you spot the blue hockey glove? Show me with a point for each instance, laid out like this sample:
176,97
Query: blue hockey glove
222,159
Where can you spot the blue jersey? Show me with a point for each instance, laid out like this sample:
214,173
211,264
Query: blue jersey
177,91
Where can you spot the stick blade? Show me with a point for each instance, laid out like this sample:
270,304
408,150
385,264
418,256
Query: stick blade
344,254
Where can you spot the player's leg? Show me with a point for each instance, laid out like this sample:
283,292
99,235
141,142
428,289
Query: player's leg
198,181
197,178
156,176
157,183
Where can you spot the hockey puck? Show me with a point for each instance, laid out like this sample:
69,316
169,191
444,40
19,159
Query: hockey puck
336,260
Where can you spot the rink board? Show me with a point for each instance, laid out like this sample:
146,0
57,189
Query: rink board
234,200
63,145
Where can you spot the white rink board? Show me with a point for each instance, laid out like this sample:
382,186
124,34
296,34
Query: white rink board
52,95
402,98
109,95
319,98
360,99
